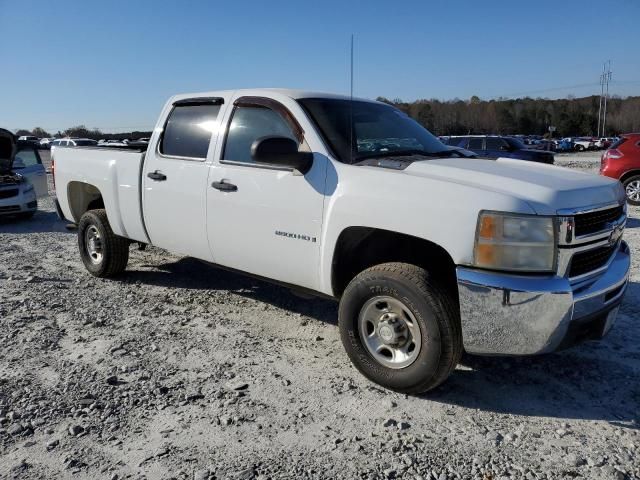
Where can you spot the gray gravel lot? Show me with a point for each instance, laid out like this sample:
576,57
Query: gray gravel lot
180,370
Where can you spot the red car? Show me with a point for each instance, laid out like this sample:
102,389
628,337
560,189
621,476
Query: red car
622,161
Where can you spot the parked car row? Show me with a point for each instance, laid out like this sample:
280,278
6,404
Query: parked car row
46,143
491,146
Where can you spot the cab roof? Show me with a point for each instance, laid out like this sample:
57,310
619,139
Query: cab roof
268,92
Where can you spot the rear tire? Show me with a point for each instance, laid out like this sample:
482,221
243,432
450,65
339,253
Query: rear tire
580,148
436,345
103,253
632,189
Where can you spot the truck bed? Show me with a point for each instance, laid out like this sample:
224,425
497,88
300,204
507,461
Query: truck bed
84,174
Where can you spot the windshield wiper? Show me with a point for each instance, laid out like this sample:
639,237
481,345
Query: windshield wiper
461,153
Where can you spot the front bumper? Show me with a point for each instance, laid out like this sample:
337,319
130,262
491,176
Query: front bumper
505,314
21,203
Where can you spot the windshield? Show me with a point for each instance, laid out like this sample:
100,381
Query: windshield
378,129
515,143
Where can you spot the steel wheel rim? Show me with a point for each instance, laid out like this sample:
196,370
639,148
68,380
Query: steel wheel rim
633,190
93,244
389,332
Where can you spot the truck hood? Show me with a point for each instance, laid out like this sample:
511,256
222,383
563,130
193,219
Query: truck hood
546,188
7,150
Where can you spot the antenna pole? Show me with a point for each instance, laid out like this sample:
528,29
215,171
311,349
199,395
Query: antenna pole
351,90
601,95
351,104
607,78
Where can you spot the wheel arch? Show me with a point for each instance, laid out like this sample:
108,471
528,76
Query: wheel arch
83,197
359,248
629,174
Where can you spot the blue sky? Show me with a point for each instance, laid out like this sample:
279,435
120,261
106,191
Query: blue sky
113,64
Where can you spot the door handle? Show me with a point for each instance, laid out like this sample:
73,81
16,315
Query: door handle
157,176
224,186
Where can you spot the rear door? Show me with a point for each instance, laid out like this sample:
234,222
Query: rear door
476,144
174,176
31,167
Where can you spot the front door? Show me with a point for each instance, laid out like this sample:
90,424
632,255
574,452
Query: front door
175,178
267,220
28,163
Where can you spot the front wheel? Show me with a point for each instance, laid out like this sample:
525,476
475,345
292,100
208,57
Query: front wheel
400,328
103,253
632,189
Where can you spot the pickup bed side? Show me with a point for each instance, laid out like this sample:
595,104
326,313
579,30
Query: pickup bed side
103,177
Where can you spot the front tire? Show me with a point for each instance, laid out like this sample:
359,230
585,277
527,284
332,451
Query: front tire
632,189
103,253
400,328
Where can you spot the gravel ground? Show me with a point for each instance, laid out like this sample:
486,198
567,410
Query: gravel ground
180,370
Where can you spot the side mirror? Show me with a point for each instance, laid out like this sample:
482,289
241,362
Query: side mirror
505,148
281,151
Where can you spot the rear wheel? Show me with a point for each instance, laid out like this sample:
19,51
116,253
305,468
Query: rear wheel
632,189
400,328
580,148
103,253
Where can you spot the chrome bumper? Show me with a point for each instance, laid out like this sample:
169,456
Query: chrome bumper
506,314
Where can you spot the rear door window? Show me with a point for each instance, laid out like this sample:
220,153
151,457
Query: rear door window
188,131
475,144
494,143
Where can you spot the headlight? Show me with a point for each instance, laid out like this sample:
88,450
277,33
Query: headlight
506,241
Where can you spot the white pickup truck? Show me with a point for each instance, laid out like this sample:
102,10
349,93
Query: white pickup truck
429,250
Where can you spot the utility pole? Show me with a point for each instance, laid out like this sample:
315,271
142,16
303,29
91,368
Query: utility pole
607,79
601,95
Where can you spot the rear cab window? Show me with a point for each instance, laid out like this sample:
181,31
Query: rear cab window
189,127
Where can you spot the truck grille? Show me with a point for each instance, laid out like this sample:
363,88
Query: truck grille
592,222
585,262
8,192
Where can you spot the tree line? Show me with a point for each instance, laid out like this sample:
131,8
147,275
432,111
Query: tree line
528,116
571,116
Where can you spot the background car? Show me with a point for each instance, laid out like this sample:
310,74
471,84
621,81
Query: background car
496,146
564,145
17,193
45,143
28,163
73,142
622,161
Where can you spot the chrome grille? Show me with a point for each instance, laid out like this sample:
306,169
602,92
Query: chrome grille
593,222
590,260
